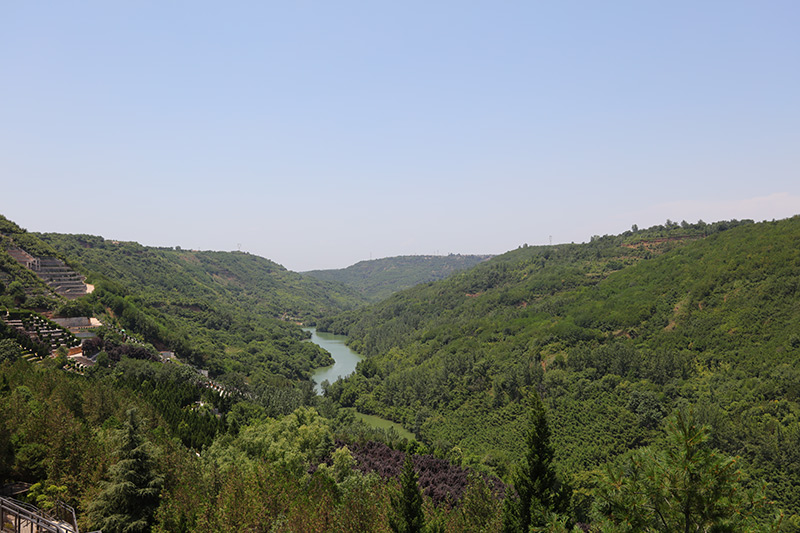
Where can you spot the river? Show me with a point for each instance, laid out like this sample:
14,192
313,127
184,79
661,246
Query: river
346,359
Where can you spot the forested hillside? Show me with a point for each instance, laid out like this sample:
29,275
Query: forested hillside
108,445
244,278
121,441
231,312
534,381
19,285
377,279
614,334
234,314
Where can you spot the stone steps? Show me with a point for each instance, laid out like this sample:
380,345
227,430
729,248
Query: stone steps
58,276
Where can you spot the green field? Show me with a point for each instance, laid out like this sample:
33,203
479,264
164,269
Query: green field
382,423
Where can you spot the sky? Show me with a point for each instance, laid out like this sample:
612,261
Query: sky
319,134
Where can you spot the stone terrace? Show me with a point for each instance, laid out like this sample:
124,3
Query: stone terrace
62,279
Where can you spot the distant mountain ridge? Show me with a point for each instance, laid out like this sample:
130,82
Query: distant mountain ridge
377,279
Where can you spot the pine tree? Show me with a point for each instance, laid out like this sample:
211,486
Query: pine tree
129,500
541,492
407,503
688,486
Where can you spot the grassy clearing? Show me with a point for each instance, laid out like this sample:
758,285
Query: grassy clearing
382,423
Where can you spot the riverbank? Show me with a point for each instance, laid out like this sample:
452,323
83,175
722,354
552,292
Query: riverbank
345,359
345,364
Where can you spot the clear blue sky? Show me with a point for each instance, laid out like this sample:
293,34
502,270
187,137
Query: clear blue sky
318,134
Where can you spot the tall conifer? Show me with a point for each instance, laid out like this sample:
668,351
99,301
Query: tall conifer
686,487
541,492
129,500
407,504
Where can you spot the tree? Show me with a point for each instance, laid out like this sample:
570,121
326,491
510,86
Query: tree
103,359
407,502
45,495
129,500
686,487
17,291
540,491
60,357
9,350
479,508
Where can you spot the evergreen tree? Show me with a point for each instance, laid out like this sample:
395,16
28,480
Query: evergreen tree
540,491
686,487
9,351
129,500
407,503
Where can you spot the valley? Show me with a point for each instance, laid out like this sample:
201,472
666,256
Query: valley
606,347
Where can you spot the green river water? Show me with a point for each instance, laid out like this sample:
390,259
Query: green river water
346,361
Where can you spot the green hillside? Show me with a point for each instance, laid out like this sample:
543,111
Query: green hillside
18,285
614,334
231,312
247,279
134,444
235,314
378,279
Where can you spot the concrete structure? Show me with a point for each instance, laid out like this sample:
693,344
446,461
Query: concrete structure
58,276
24,258
62,279
78,323
81,362
74,322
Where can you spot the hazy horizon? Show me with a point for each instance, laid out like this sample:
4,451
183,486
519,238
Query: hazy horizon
320,135
434,254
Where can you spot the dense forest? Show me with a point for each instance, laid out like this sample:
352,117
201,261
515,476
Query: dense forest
378,279
233,313
614,334
646,381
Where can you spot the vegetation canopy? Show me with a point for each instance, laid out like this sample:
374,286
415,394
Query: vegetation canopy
646,381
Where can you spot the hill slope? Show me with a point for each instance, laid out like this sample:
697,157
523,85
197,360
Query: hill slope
232,313
378,279
18,284
614,333
248,279
227,311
